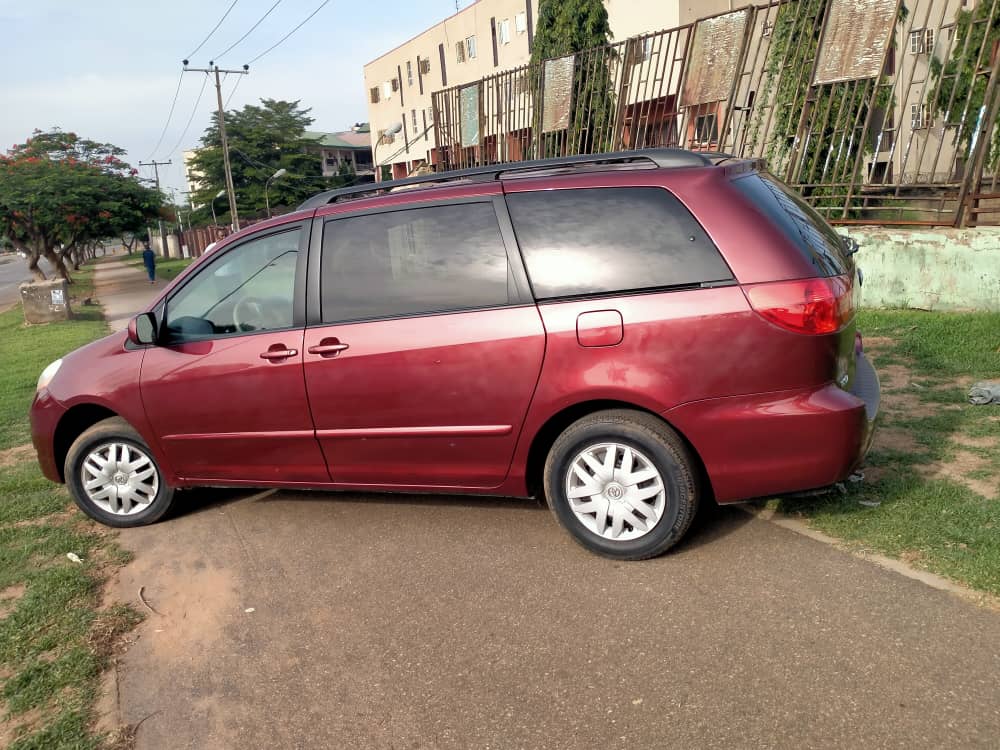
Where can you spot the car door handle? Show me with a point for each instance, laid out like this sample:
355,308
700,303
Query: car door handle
278,353
328,348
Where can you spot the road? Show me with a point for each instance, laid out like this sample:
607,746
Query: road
14,271
306,620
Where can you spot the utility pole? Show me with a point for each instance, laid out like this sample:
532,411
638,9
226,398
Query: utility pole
213,68
156,171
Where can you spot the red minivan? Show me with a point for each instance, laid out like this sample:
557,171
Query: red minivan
629,334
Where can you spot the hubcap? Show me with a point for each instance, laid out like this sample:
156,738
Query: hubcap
615,491
119,478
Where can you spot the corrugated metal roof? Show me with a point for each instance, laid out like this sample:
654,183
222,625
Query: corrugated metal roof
348,139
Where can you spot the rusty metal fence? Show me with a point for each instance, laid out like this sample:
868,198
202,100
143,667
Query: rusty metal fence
878,111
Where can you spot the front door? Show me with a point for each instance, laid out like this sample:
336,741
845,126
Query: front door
224,389
427,350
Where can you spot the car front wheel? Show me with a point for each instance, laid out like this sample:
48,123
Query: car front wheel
623,483
114,478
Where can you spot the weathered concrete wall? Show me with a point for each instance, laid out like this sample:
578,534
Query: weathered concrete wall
45,301
933,269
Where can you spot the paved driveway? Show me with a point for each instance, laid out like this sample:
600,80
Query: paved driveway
392,622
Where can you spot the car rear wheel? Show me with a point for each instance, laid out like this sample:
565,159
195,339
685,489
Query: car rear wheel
114,478
623,483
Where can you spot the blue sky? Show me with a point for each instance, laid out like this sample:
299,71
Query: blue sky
108,69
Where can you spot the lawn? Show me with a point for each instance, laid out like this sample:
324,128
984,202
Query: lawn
55,638
933,476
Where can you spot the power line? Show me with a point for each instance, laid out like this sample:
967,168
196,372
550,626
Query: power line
280,41
194,111
231,93
259,22
214,29
170,114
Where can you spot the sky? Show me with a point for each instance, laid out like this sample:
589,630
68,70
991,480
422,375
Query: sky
108,69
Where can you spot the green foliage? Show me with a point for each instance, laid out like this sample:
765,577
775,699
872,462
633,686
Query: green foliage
58,191
262,140
568,27
959,95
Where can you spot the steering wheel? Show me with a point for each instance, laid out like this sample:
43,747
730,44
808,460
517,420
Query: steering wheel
250,314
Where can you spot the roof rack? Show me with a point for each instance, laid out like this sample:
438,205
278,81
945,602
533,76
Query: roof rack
663,158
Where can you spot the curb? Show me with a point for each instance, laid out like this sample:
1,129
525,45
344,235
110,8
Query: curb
979,598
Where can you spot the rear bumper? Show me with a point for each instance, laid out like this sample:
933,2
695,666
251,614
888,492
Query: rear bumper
45,414
866,387
783,442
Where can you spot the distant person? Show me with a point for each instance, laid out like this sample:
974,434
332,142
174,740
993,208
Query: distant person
149,260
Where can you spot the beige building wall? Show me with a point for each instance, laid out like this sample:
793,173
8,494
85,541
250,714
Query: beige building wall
191,175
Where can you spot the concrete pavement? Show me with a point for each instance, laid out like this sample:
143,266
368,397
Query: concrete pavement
123,290
299,620
308,620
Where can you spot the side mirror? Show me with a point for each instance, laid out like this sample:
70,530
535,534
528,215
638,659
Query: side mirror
142,329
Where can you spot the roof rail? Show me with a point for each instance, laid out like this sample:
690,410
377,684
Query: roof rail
663,158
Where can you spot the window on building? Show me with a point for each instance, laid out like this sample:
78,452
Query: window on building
387,90
424,64
413,121
922,41
567,237
919,117
422,260
430,114
521,23
373,94
395,84
705,129
470,47
409,73
504,31
460,52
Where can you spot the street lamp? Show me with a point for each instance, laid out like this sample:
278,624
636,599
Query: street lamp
215,221
267,183
391,130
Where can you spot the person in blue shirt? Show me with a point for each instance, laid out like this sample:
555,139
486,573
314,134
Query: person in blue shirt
149,260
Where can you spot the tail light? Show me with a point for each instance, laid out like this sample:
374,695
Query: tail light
811,306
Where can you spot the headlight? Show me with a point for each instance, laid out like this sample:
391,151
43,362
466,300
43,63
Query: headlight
47,374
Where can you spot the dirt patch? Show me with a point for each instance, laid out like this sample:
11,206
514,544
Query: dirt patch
907,405
15,726
958,469
976,442
901,441
13,456
9,597
878,342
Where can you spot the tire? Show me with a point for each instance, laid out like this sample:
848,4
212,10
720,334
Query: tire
134,480
664,504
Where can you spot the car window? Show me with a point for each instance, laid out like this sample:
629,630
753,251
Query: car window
600,240
419,260
798,221
249,288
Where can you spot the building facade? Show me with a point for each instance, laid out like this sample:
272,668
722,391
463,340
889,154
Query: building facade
487,37
350,149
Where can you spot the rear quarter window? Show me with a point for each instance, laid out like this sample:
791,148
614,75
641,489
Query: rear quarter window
798,221
605,240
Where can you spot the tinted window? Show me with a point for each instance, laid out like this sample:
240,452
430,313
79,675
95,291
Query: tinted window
249,288
419,260
806,229
611,240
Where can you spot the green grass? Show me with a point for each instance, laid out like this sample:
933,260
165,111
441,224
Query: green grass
940,524
54,641
24,352
166,268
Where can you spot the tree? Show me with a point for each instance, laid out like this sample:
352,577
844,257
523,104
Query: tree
568,27
262,140
60,193
959,94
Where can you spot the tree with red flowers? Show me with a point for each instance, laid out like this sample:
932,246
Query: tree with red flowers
60,193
